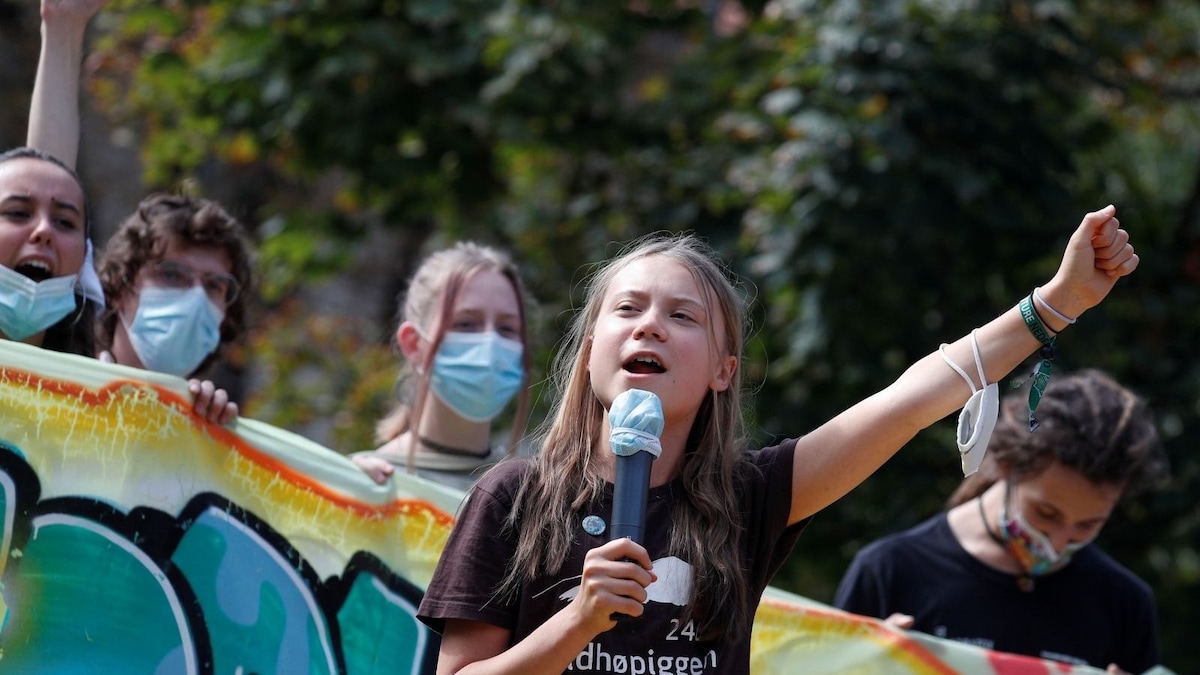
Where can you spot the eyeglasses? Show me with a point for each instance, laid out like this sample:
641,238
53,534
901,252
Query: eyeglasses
220,287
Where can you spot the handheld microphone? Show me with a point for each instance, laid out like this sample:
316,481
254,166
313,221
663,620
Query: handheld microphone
636,422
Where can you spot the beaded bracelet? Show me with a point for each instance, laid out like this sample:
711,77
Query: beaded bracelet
1041,375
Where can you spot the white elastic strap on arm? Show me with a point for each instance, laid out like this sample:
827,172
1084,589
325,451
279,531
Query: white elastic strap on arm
960,371
1037,296
978,417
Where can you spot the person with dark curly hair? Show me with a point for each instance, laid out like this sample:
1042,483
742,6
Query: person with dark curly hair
1012,566
175,275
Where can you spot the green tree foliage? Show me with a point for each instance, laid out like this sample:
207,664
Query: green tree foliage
886,175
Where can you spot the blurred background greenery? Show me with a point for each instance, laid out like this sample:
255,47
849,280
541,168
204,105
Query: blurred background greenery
885,176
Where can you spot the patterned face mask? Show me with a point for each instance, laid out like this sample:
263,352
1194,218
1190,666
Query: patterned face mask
1031,548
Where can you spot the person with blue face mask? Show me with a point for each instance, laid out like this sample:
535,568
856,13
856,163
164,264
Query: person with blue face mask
1012,565
48,288
462,333
176,275
176,272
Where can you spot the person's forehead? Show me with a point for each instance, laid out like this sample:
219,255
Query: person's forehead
656,274
201,256
1068,489
30,173
487,290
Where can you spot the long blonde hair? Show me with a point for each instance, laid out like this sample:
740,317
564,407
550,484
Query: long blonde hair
563,480
442,276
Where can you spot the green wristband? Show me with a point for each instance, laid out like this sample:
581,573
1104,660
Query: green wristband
1033,322
1041,374
1041,377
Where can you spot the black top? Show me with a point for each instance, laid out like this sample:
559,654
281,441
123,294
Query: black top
473,563
1093,611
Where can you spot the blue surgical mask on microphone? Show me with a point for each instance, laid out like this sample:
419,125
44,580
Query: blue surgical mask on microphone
636,422
477,374
28,307
174,329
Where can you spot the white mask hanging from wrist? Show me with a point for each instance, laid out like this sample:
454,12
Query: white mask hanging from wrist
978,417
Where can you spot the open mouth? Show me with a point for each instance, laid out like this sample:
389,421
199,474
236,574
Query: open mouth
644,365
35,270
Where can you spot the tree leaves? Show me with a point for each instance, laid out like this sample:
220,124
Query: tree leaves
886,175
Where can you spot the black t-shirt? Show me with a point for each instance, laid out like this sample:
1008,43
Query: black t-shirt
473,563
1093,611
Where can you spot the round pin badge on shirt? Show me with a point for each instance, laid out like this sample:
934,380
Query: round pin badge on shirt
594,525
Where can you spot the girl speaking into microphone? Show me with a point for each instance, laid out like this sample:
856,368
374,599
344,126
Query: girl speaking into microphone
529,581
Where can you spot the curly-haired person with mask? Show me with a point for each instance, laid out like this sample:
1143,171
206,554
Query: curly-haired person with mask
1011,565
176,274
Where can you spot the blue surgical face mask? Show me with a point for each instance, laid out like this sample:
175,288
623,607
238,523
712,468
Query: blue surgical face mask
28,307
477,374
636,421
175,329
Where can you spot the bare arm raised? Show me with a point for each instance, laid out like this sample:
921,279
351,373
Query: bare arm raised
840,454
54,110
54,126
